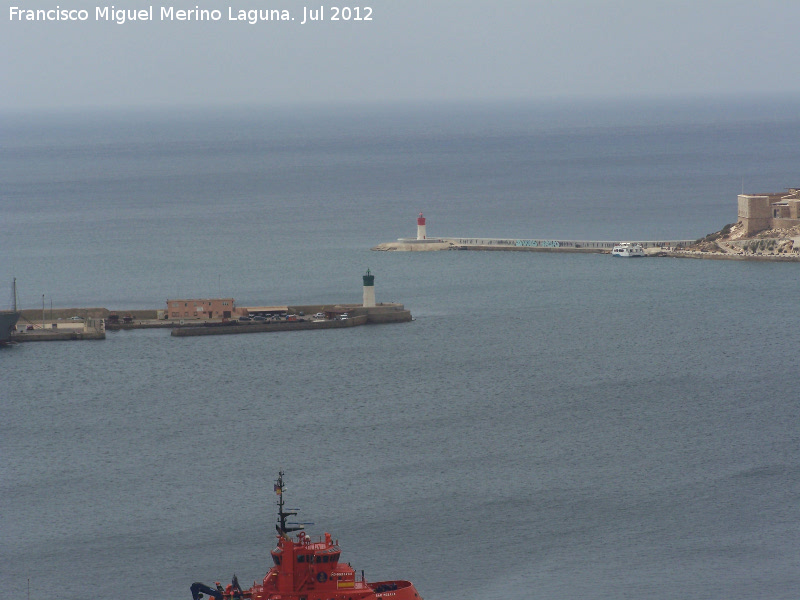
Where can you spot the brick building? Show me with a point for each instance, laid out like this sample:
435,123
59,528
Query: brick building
201,308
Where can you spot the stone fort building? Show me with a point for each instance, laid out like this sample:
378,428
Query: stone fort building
758,212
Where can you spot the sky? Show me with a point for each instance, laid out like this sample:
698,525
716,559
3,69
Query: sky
410,51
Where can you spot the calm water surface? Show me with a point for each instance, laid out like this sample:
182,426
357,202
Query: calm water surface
550,426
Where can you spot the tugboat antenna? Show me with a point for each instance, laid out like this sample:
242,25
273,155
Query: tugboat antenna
282,527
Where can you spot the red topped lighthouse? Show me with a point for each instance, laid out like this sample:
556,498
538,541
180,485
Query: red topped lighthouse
420,227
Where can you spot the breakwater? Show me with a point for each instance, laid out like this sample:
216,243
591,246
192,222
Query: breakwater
358,315
33,326
58,336
94,327
660,248
524,245
234,327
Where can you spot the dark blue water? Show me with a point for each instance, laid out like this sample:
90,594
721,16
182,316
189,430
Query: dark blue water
550,426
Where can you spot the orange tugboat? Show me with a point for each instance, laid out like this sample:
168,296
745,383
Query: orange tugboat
307,569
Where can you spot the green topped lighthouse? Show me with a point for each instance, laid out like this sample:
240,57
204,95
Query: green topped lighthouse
369,290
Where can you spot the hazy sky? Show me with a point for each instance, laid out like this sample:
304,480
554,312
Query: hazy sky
410,50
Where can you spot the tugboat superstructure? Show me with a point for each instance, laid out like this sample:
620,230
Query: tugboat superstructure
307,568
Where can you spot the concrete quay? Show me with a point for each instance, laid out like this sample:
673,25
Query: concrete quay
56,326
233,327
41,335
91,323
358,315
422,243
209,316
768,230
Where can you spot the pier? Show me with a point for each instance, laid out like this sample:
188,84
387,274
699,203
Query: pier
524,245
207,316
92,324
357,315
423,242
720,245
60,325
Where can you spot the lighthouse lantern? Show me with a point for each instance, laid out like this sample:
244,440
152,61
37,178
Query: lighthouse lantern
369,290
420,227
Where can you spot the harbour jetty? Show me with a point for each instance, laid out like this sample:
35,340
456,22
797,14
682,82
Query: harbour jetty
207,316
424,243
331,317
32,328
66,324
522,245
768,229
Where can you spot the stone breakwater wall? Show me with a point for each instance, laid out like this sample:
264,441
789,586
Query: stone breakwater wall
94,327
556,245
653,248
521,245
234,327
391,313
58,336
359,315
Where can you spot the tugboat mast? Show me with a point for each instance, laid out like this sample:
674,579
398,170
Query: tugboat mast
282,528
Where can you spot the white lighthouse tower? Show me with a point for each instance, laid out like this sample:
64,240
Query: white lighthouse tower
369,290
420,227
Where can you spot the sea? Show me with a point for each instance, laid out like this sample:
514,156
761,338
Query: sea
548,426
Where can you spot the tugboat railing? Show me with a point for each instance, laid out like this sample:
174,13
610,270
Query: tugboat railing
314,539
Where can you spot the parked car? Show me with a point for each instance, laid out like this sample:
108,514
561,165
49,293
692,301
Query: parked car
345,316
319,315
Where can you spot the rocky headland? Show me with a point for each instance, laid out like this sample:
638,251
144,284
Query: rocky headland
731,243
